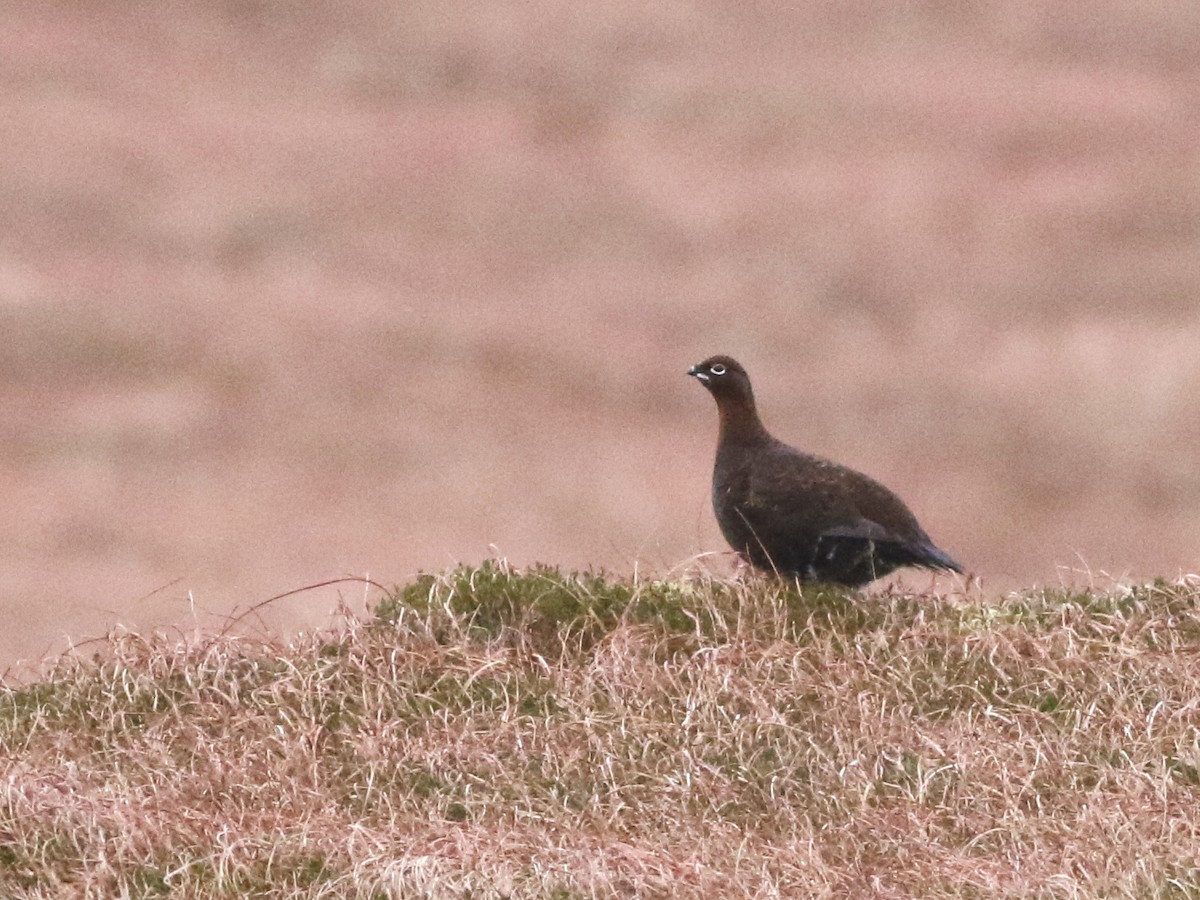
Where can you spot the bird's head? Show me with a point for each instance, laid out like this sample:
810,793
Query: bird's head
724,378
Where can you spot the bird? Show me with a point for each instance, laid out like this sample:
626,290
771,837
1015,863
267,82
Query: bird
799,515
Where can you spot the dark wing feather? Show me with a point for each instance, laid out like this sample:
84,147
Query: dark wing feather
806,516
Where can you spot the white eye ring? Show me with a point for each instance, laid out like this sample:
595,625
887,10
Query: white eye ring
718,369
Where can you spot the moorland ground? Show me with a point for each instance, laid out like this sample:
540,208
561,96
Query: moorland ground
290,291
490,733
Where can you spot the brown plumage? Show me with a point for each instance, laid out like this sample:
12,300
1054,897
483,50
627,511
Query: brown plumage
797,514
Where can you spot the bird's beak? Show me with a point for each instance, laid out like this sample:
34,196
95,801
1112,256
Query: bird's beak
699,374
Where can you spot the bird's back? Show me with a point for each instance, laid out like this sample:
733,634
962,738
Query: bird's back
806,516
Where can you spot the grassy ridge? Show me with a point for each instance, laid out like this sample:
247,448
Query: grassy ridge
493,733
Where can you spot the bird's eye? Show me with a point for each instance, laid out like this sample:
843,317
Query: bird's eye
718,369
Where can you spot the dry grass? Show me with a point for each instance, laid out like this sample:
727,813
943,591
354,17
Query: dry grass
489,733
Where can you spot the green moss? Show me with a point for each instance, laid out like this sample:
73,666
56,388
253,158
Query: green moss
21,708
550,611
554,612
1183,771
148,882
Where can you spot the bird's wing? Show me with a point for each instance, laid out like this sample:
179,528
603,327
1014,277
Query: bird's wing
824,498
814,515
862,529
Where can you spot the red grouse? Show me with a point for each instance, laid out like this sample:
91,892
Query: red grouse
800,515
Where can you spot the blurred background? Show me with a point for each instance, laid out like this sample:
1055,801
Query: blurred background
290,291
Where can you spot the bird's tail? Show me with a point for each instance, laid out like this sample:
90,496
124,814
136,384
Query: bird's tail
933,558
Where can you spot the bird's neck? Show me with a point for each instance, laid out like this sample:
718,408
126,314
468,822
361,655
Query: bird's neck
740,424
